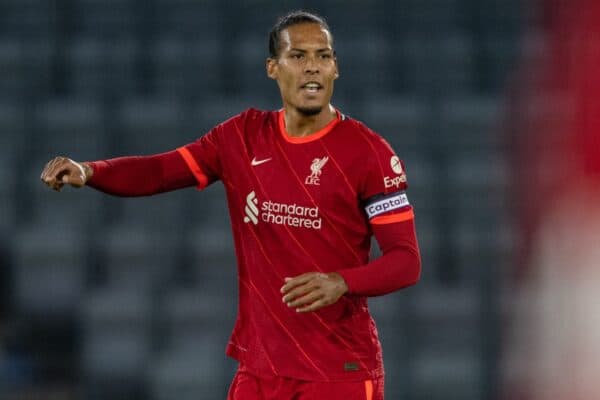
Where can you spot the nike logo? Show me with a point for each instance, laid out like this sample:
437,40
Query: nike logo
256,162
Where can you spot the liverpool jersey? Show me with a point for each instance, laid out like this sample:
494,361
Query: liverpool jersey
299,205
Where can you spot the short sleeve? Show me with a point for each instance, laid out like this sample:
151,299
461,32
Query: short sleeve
384,187
203,157
384,170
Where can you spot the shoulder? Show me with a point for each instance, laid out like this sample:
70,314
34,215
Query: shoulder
239,123
249,113
255,113
250,116
382,170
360,134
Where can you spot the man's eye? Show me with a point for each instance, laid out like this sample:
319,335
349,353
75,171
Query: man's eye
297,56
325,55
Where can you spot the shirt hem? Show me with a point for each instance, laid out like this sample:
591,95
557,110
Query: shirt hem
357,376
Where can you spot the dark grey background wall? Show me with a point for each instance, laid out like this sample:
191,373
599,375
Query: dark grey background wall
106,298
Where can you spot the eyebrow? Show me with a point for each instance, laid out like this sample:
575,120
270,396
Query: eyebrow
318,51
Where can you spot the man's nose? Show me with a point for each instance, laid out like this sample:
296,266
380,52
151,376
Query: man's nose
311,66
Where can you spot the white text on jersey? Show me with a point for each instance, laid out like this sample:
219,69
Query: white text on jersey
394,182
292,215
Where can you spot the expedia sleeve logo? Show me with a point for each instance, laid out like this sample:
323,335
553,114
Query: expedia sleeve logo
396,165
399,179
383,204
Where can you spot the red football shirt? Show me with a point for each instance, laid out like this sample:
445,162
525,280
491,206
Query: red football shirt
299,205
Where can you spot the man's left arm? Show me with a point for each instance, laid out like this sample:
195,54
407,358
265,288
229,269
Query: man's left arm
399,266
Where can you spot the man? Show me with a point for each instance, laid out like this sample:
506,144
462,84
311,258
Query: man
306,188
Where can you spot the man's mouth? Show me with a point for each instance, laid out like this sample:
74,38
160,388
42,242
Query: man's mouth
312,87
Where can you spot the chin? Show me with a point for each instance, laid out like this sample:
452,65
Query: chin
310,111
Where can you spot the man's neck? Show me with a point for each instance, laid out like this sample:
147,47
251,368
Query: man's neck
300,125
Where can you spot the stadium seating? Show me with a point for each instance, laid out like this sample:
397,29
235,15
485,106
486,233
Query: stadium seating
49,273
446,326
148,125
250,53
102,68
8,207
437,65
188,17
70,126
401,120
187,68
13,78
456,372
38,60
470,124
13,128
107,18
258,16
28,18
498,55
350,17
484,184
500,16
191,371
372,72
117,342
27,67
138,258
212,256
193,320
419,16
430,245
188,311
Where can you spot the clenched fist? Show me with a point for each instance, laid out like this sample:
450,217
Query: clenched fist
62,171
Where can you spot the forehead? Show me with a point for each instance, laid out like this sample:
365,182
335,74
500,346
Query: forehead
305,36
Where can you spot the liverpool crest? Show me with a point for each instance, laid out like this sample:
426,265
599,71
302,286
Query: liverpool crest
315,168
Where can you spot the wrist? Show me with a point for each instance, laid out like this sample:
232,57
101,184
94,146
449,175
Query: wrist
346,279
88,170
341,282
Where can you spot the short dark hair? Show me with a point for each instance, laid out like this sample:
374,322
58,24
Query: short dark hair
292,18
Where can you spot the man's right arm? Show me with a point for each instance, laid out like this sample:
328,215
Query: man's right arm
195,164
123,176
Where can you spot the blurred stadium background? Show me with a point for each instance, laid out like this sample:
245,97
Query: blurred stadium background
107,298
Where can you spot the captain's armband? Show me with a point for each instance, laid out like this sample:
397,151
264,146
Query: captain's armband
383,204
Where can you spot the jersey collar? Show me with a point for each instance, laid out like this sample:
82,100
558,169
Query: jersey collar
309,138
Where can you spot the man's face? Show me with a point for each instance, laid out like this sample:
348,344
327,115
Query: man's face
305,69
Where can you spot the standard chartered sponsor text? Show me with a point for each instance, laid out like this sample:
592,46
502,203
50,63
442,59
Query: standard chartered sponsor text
291,215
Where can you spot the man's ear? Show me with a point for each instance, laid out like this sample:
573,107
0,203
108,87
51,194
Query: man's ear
337,72
272,68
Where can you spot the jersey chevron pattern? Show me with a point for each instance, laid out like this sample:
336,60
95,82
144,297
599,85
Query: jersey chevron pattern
299,205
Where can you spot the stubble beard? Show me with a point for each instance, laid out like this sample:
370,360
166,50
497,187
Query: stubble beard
309,111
